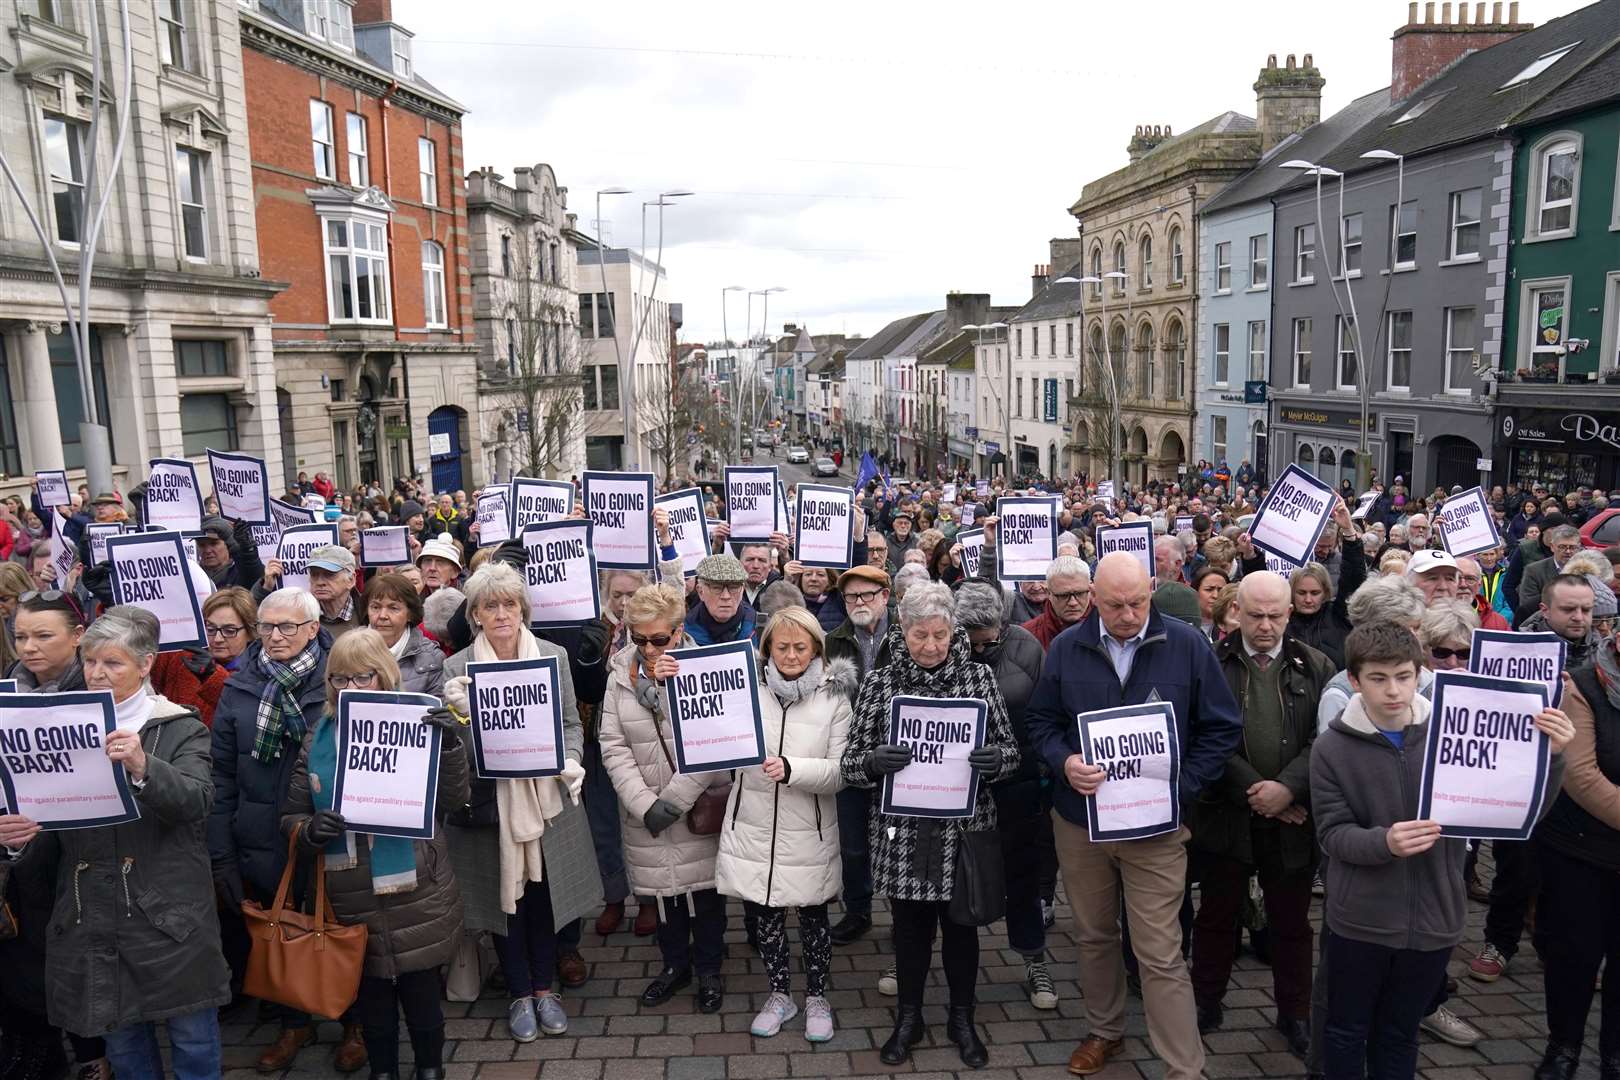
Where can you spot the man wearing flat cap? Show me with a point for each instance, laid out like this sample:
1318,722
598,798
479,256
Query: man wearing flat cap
721,613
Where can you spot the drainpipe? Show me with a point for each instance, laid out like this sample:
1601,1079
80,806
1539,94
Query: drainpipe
393,297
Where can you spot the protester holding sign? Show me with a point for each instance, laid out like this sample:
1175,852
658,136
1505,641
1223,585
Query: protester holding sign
46,630
669,855
397,887
227,553
522,847
1320,616
914,859
109,973
778,854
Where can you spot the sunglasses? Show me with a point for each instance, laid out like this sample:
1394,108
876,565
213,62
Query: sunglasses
1449,654
52,596
658,640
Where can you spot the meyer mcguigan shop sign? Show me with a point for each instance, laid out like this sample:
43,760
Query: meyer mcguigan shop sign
1577,431
1300,414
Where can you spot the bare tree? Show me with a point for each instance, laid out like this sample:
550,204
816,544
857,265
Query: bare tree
666,401
1099,405
538,385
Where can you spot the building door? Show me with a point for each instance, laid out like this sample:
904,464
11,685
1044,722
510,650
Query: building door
289,460
444,447
1400,459
1456,461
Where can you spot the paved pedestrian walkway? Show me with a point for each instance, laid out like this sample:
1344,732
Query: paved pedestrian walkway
611,1037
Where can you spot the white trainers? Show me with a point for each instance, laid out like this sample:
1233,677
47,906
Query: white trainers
1042,994
778,1010
1447,1026
889,981
818,1019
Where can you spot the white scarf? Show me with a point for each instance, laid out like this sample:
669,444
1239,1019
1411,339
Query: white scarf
397,649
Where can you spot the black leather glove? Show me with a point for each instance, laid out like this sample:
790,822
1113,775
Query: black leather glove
986,760
887,759
660,816
321,829
228,888
442,719
593,643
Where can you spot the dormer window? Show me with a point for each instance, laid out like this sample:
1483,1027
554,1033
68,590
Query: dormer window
330,20
400,44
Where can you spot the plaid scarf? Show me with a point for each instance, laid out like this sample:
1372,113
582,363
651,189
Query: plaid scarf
280,718
342,616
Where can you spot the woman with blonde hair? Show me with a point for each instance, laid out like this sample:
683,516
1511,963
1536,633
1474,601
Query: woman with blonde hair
403,890
14,581
780,849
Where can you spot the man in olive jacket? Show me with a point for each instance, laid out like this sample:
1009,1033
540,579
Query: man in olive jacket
1253,819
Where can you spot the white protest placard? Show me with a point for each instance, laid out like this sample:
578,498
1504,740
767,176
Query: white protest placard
188,544
1484,763
619,505
1105,490
1183,523
294,547
53,760
941,732
1530,657
64,556
1135,538
972,541
1364,505
1296,510
535,502
388,763
385,545
494,515
982,489
314,500
713,706
687,527
1279,565
516,722
783,514
53,488
948,494
172,498
98,531
1465,524
824,533
242,487
561,573
1138,748
969,512
751,501
149,570
282,516
1026,537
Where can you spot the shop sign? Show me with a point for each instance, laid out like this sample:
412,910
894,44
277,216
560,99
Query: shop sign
1304,414
1555,428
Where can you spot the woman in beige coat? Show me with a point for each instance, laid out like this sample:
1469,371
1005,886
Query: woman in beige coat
664,858
779,845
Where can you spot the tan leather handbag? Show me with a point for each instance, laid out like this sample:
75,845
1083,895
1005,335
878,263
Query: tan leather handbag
311,963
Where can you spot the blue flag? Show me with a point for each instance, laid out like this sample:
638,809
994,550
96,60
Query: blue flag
888,485
867,471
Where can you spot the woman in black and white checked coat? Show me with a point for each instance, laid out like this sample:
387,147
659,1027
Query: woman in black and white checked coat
913,858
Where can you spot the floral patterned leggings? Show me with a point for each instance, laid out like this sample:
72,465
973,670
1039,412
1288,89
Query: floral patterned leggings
814,935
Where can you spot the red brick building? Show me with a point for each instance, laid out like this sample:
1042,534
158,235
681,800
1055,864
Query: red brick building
357,181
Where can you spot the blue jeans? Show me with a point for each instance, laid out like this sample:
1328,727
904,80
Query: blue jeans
854,847
194,1039
602,811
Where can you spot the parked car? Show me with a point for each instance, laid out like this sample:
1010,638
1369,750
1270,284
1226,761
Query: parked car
1602,531
825,467
798,455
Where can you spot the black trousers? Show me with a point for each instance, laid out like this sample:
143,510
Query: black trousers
528,949
1026,839
1518,875
377,1008
696,936
1377,997
1578,929
914,924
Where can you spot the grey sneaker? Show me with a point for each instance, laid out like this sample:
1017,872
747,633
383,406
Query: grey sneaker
1042,994
520,1020
889,981
778,1010
1447,1026
548,1008
818,1019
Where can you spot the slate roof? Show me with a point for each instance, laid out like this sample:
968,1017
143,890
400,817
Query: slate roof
1227,123
884,342
1596,83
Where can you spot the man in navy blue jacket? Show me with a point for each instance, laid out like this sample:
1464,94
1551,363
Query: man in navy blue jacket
1125,653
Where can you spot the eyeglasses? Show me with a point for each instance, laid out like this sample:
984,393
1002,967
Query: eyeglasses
1077,597
285,629
723,590
1449,654
863,597
659,640
228,633
361,680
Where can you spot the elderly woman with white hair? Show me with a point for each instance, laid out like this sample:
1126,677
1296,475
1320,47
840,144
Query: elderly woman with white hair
913,859
522,848
135,940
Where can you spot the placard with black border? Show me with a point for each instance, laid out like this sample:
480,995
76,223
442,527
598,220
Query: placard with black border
684,534
1431,755
1007,570
1304,479
174,636
1486,535
536,534
486,512
521,484
547,666
644,555
258,509
754,529
42,705
410,708
975,708
185,515
674,704
1125,537
53,488
1167,712
807,494
1508,642
384,545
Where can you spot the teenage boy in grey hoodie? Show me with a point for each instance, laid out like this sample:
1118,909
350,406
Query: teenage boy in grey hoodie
1396,896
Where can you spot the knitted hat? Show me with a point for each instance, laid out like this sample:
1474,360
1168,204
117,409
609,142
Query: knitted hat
409,509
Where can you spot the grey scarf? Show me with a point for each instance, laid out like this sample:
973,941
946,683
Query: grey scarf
1608,670
788,691
648,692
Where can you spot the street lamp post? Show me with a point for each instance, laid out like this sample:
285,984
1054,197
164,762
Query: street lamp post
627,379
618,354
736,368
1363,458
765,329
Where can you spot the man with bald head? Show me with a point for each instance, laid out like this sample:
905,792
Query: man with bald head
1254,819
1124,652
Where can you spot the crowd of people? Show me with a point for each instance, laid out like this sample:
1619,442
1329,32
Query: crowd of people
1301,701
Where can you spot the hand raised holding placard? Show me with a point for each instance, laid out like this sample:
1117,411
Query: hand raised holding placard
1408,838
124,748
666,667
661,526
1557,726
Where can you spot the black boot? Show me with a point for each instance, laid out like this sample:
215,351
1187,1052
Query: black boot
1559,1062
960,1030
428,1045
1609,1068
908,1032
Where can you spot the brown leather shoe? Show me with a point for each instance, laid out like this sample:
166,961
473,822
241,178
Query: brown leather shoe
572,969
647,919
279,1054
611,919
1092,1054
351,1052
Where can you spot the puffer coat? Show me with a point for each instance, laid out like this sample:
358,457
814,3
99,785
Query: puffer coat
407,931
914,858
779,845
675,862
133,935
421,668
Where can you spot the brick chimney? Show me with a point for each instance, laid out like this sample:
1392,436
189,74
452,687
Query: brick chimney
1286,99
1066,252
1039,277
1145,139
966,309
373,11
1424,49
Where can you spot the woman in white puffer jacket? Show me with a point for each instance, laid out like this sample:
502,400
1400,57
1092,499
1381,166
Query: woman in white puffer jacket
779,844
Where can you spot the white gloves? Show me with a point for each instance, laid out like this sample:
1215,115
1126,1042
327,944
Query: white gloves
572,778
455,694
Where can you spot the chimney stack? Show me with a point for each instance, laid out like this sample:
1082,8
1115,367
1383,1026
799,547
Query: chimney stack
1287,99
1039,277
1146,138
1424,49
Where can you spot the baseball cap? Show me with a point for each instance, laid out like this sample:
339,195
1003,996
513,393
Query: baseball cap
1429,559
332,558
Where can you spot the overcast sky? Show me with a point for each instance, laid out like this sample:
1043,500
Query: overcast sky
866,157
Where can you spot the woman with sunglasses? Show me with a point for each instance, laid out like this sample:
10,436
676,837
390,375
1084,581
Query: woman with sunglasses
1446,634
664,857
522,848
195,678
